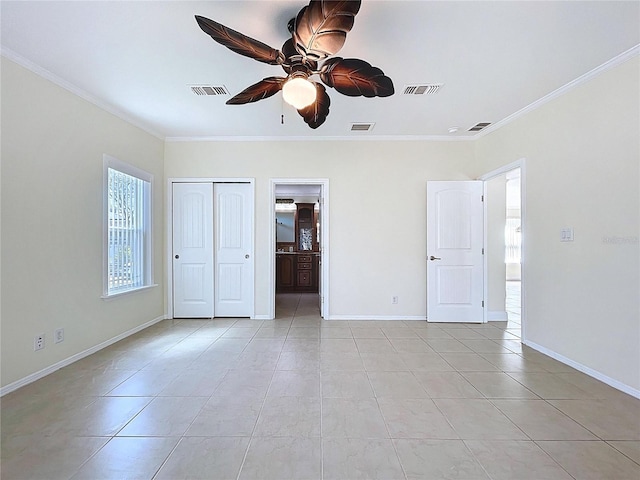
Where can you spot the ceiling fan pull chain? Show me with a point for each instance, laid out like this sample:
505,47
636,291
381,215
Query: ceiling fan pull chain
281,110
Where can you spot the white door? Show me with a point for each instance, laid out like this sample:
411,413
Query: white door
233,217
192,250
455,279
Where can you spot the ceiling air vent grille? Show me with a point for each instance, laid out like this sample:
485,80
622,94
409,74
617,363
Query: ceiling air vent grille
362,127
209,90
479,126
427,89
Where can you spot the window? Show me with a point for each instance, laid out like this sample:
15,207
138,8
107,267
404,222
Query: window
513,239
127,242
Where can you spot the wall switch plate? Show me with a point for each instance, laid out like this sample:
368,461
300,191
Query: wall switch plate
394,300
566,234
58,335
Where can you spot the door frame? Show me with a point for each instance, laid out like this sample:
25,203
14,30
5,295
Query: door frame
324,239
521,164
169,232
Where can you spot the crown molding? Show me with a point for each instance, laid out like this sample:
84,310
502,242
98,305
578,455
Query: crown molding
614,62
379,138
38,70
61,82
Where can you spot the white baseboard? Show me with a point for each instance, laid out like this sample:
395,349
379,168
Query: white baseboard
376,317
497,316
586,370
74,358
262,317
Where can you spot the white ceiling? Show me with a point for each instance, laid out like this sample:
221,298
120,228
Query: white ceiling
495,58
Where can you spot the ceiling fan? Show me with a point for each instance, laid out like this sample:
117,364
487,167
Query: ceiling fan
318,31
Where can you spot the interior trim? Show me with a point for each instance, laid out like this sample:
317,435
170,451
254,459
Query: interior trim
586,370
78,356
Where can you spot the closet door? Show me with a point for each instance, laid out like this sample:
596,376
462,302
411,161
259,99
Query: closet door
234,266
192,250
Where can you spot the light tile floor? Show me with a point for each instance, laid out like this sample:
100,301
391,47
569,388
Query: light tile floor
513,302
299,398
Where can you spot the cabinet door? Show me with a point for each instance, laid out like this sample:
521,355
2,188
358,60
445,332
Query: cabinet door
285,271
304,278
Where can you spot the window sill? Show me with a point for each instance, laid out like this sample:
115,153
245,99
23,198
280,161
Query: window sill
127,292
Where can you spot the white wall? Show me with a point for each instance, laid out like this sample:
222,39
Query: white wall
582,155
377,210
52,148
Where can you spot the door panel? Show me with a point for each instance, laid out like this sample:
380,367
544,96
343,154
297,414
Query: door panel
454,248
233,204
192,250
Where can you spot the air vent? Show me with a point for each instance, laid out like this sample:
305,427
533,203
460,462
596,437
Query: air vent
479,126
426,89
362,127
209,90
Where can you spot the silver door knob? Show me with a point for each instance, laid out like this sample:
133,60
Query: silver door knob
246,256
432,258
177,256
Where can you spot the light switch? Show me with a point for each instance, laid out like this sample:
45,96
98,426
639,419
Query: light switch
566,234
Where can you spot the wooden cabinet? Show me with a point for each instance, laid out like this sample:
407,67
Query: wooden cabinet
305,273
305,228
285,268
296,273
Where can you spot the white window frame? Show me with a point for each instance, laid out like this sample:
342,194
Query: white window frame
123,167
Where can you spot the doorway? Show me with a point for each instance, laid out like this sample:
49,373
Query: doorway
513,250
504,219
299,245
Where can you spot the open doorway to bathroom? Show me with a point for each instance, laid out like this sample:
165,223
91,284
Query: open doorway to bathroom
300,248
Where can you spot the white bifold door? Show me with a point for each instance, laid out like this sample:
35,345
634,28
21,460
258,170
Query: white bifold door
455,237
212,250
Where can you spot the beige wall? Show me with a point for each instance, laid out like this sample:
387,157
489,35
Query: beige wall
377,210
582,155
52,148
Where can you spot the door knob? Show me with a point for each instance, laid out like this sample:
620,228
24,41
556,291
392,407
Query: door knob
246,256
177,256
432,258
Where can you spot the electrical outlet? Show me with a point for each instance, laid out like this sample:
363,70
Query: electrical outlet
58,335
38,342
394,300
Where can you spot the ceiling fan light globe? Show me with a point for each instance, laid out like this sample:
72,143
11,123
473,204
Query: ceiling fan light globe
299,92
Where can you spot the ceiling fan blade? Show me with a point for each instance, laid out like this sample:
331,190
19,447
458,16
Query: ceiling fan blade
240,43
315,114
321,27
355,78
258,91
